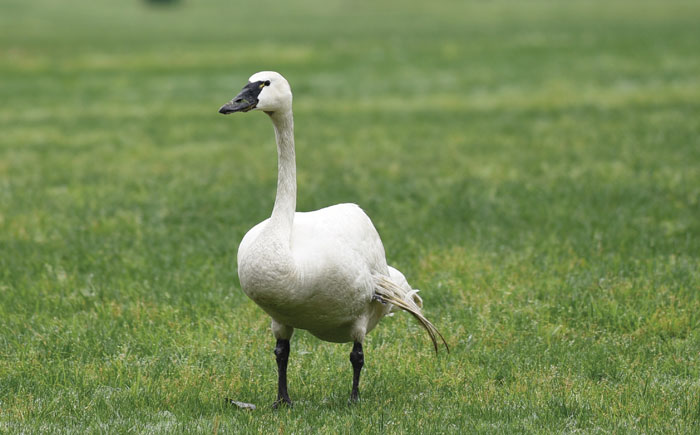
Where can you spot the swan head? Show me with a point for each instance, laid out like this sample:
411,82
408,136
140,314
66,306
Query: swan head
266,90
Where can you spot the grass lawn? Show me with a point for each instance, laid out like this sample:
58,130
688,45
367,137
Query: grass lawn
534,167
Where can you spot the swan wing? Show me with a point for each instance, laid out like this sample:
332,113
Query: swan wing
340,238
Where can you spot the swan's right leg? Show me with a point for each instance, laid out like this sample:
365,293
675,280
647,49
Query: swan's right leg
282,356
283,333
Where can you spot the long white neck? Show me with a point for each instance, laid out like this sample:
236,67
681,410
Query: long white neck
286,199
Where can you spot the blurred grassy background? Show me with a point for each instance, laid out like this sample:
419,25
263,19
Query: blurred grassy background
533,166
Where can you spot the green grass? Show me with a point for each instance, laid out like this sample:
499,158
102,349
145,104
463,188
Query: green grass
534,167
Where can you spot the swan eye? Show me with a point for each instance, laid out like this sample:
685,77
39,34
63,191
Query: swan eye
267,83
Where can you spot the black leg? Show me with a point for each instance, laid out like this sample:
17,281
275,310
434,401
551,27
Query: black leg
357,358
282,355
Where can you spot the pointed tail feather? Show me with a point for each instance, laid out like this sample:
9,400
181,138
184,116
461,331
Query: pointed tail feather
387,291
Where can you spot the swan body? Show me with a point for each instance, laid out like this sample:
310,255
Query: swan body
324,271
328,287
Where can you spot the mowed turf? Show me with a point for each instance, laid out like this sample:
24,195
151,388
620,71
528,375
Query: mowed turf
533,167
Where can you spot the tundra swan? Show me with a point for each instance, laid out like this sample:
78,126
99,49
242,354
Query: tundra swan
323,271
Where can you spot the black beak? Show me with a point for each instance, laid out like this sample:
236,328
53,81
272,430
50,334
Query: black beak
245,101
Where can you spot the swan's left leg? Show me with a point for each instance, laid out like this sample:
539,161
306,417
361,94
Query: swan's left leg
357,358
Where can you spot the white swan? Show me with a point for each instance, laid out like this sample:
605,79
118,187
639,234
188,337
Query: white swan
323,271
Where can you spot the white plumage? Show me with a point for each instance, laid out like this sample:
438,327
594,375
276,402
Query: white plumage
323,271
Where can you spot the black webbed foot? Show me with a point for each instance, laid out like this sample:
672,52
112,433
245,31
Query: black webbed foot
282,402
